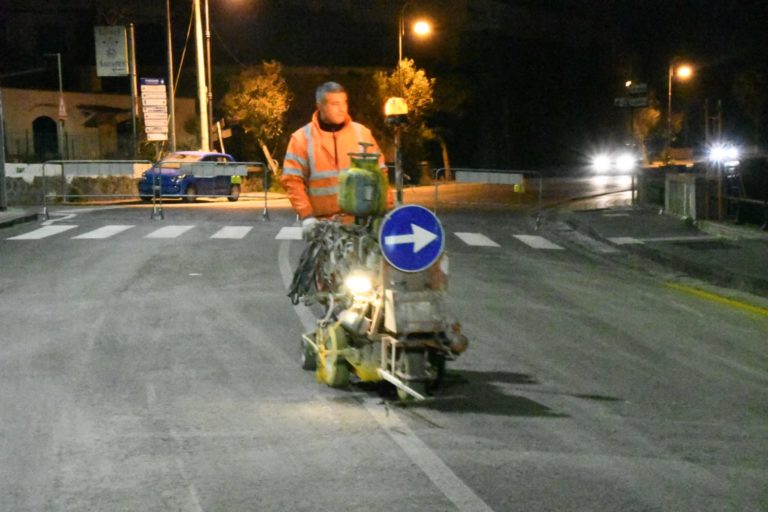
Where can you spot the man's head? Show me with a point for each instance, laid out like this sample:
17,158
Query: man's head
331,101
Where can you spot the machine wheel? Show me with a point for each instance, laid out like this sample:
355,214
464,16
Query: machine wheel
333,368
234,193
413,363
190,194
308,357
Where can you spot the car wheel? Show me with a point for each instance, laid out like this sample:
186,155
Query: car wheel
146,199
189,194
234,193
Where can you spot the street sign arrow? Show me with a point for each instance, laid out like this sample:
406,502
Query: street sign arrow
411,238
419,237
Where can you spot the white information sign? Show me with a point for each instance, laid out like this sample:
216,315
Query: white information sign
154,101
111,51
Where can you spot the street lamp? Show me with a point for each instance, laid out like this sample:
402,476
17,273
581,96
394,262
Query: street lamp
681,72
422,28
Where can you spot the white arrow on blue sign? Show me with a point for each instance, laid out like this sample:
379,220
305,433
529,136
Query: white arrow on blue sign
411,238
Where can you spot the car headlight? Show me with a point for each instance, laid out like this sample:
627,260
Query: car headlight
625,162
601,163
358,283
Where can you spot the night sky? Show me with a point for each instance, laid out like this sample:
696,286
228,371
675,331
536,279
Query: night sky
540,76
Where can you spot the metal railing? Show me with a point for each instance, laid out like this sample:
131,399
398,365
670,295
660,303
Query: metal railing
121,178
511,177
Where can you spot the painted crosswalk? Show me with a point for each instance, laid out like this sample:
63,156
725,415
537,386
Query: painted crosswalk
243,232
476,239
103,232
538,242
169,232
44,232
232,232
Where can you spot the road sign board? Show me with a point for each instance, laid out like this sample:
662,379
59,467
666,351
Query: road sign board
155,106
411,238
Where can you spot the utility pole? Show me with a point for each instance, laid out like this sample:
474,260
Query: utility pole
3,196
209,67
171,87
134,89
202,96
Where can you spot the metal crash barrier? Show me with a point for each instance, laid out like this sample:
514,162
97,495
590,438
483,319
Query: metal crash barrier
118,179
514,178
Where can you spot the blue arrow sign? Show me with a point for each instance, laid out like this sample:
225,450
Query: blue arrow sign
411,238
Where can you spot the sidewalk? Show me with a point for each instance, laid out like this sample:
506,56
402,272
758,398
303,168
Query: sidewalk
721,254
13,216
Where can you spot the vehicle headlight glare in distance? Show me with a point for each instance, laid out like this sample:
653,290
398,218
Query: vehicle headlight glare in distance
625,162
601,163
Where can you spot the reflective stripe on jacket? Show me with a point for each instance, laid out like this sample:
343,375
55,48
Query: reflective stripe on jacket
313,161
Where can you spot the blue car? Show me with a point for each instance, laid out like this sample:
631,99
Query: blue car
179,176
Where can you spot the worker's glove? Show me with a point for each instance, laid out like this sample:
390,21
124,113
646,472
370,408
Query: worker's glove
307,226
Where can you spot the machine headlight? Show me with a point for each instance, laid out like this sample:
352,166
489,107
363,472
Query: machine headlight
601,163
726,154
625,162
358,283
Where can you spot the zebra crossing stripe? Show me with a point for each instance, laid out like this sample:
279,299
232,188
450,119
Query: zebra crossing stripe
624,240
103,232
289,233
538,242
477,239
232,232
44,232
169,232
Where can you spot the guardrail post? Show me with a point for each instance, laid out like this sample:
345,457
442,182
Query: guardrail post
157,196
265,214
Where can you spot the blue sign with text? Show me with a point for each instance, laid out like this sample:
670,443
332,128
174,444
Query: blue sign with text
411,238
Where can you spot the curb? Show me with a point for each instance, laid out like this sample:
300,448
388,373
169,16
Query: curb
18,219
717,276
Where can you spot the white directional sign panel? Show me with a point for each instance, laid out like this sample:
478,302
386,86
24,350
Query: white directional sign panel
154,103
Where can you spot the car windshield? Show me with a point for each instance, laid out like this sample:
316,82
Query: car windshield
174,160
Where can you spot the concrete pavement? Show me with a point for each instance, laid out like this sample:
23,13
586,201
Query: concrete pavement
718,253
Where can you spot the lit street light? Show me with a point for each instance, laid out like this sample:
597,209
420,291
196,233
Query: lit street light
421,28
681,72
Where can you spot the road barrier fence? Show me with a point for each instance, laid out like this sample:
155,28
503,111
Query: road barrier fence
67,181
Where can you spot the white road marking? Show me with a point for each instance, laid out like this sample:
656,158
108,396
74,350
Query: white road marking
477,239
103,232
232,232
169,232
591,243
624,240
420,454
44,232
538,242
289,233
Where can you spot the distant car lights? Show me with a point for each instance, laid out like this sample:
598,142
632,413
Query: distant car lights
622,162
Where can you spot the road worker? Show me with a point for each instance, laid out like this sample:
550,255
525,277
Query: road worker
318,152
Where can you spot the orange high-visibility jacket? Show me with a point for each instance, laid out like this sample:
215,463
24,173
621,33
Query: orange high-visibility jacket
313,161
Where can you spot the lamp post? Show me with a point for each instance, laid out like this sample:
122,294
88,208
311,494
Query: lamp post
683,72
62,107
421,28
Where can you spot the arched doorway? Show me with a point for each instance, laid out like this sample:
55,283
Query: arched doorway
45,139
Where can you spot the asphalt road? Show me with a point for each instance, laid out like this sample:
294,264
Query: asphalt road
145,373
